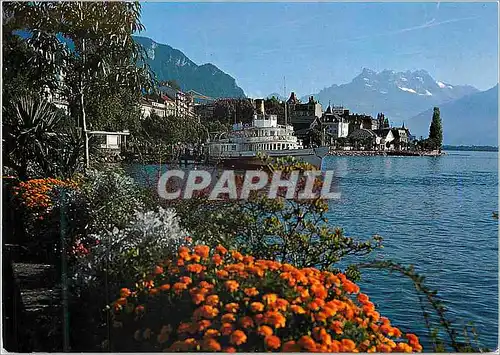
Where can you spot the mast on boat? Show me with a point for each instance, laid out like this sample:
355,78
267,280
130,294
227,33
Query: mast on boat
284,97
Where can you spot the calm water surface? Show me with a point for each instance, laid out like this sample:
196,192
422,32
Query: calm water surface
434,213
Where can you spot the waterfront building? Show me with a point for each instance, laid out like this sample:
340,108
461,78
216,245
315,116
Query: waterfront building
159,106
301,116
387,138
184,102
401,138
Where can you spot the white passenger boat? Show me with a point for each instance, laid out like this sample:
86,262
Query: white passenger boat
240,148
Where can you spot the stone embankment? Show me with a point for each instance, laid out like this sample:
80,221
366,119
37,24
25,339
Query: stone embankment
367,153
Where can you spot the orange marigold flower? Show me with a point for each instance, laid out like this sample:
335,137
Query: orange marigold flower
291,347
337,327
403,348
228,317
417,347
220,249
270,298
217,260
222,274
195,268
396,332
165,287
350,287
203,324
412,337
251,291
384,348
281,304
231,285
272,342
124,292
246,322
304,293
297,309
229,349
210,333
316,304
179,287
148,284
153,291
209,312
362,298
237,255
212,300
186,280
184,254
231,307
264,330
226,328
276,319
197,298
307,343
158,270
256,307
348,345
385,329
205,284
247,259
202,250
210,344
238,337
319,291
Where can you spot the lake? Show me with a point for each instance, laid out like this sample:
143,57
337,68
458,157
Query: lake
434,213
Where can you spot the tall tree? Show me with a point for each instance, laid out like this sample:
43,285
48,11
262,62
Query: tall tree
436,129
231,110
274,107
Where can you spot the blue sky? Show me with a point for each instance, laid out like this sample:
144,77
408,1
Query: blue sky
315,45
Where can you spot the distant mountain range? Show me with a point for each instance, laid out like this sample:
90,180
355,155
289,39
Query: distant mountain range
470,120
399,95
171,64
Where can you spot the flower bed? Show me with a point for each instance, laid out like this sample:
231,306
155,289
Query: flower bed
38,194
216,300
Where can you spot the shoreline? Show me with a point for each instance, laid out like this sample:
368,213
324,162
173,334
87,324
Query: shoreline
348,153
370,153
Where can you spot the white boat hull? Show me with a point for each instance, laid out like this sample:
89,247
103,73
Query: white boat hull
313,156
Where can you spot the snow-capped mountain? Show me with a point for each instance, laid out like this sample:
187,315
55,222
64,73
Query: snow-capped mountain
400,95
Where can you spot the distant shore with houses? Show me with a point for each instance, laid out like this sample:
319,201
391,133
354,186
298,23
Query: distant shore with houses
346,133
